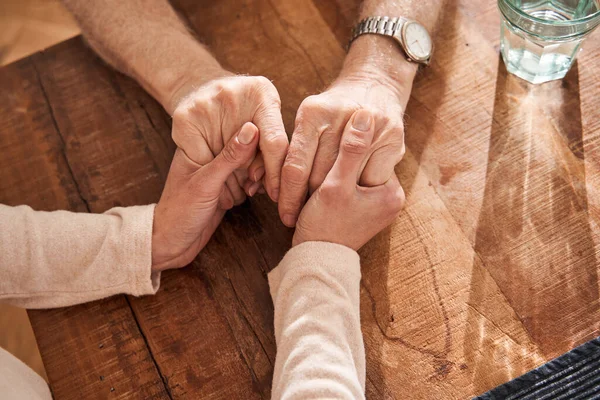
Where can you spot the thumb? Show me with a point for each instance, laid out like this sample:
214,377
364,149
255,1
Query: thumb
238,152
354,147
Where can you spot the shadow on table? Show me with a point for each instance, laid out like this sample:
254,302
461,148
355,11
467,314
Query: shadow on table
533,237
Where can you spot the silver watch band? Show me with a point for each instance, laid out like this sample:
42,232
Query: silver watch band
381,25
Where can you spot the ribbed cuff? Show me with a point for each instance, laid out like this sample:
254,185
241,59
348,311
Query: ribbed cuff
337,261
137,248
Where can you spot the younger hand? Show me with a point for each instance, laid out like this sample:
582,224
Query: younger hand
340,211
188,211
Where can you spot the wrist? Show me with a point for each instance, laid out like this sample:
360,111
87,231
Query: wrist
377,57
186,83
159,262
161,257
178,71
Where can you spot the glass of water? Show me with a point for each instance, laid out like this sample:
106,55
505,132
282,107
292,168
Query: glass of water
541,38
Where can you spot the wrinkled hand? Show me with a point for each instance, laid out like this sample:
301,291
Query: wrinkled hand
319,124
340,211
208,116
188,211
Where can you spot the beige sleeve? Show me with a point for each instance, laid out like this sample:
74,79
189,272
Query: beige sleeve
320,350
60,258
19,382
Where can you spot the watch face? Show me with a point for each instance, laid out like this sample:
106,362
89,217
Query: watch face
417,41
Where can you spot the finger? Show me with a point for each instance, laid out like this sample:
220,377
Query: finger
238,194
296,172
354,147
388,198
253,188
226,201
327,153
380,166
256,171
236,153
190,139
273,140
241,176
214,222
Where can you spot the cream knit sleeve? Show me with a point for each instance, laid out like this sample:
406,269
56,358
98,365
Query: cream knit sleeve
320,350
60,258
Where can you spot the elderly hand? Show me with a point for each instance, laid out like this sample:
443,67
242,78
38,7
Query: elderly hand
319,124
340,210
207,117
188,211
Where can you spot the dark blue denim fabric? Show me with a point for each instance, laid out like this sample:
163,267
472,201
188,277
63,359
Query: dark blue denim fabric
572,376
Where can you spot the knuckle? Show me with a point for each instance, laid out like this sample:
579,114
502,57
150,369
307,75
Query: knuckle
380,116
200,102
355,144
262,81
276,140
310,105
396,200
219,85
180,114
332,191
226,96
266,89
230,153
294,174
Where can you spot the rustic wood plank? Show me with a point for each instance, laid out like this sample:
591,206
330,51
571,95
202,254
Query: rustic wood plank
79,345
33,166
424,332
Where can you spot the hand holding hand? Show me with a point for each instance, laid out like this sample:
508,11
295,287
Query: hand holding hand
207,117
188,211
340,211
319,124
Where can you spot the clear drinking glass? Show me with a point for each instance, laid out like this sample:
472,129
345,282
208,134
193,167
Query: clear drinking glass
540,39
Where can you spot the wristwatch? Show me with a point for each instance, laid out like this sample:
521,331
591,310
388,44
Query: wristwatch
412,37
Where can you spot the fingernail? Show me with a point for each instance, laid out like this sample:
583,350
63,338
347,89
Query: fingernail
259,174
362,120
247,133
289,220
275,194
253,189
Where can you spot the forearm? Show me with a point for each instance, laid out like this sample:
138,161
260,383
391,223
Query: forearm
378,57
320,351
57,259
146,40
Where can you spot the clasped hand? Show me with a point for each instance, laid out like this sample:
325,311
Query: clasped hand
232,144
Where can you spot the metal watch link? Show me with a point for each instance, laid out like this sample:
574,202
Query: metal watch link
412,37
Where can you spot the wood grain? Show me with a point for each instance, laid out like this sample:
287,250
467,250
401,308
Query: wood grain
92,350
511,163
491,270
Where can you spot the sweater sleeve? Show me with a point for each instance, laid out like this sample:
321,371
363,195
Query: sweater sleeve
320,350
60,258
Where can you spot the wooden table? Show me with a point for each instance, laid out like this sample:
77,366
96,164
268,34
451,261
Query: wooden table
491,270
